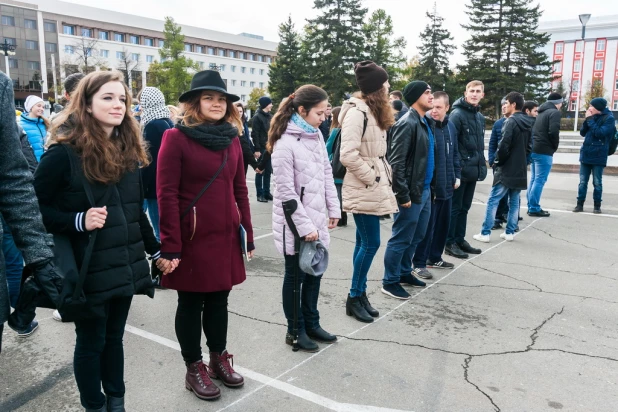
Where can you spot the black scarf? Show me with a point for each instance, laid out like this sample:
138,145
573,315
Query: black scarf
214,137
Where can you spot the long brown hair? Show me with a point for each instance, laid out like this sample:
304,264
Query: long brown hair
307,96
380,108
193,116
335,123
104,159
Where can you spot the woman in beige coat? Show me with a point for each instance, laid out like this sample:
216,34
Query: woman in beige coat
367,186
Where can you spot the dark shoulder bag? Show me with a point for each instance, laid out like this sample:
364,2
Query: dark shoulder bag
339,169
201,193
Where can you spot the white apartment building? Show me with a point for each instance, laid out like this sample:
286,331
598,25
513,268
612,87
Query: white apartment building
580,62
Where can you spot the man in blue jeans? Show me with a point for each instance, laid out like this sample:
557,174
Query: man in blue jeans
598,130
412,160
545,140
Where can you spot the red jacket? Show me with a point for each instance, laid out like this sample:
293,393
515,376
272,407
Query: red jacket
207,240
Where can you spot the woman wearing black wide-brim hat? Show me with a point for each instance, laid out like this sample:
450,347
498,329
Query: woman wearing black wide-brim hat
203,232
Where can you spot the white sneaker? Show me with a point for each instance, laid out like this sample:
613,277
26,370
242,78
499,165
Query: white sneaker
508,237
56,316
481,238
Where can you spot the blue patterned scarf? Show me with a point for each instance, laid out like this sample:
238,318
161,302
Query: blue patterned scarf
300,122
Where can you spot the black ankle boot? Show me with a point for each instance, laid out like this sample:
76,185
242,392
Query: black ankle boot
320,335
370,310
115,404
597,207
354,307
579,207
305,344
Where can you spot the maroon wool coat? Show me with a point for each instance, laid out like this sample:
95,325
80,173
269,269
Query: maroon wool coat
207,240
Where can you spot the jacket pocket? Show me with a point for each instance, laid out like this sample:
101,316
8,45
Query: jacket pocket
193,222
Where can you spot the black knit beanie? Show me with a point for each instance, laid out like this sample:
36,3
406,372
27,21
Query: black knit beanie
397,105
554,98
599,103
369,76
414,90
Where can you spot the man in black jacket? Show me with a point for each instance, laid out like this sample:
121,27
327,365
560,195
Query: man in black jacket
470,125
510,175
259,134
545,140
412,159
325,125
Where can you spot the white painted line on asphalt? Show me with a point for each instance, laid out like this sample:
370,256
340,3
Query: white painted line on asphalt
268,381
262,236
560,211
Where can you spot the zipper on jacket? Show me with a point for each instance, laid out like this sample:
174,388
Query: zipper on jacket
194,222
302,193
284,252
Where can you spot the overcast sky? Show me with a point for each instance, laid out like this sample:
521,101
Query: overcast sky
263,17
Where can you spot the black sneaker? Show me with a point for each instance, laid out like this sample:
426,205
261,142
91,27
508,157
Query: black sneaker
261,199
268,197
422,273
497,226
440,264
395,290
453,249
411,280
540,213
465,247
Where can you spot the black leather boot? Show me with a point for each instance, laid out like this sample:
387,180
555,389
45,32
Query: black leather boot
579,207
370,310
320,335
305,343
354,307
115,404
101,409
597,208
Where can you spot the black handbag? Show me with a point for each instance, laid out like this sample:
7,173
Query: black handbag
339,169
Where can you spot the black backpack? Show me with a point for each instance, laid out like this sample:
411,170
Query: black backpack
613,144
338,168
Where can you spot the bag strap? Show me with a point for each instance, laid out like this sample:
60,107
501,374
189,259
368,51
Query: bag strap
188,209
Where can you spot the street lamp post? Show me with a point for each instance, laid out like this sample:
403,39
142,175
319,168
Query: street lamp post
9,50
583,18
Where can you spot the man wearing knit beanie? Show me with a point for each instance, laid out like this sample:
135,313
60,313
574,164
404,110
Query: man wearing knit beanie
598,130
260,123
545,141
412,160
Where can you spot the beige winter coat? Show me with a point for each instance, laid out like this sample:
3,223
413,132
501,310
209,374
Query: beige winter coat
367,186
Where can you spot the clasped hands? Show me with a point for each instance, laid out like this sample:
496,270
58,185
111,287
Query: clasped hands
167,266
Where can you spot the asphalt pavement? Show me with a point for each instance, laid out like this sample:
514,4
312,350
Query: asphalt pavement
528,325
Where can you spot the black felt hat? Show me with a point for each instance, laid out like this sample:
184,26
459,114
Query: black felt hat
207,80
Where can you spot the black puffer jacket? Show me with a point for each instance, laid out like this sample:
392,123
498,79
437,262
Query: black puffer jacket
546,130
470,125
513,150
407,156
260,123
153,134
26,149
118,267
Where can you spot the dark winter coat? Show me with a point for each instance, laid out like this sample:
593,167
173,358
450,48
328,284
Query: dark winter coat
118,266
153,134
447,166
207,239
402,112
248,149
325,127
260,123
513,150
408,157
546,130
597,131
470,125
494,139
18,203
26,149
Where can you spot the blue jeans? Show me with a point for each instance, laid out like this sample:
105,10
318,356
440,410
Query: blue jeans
409,228
14,263
539,170
432,246
308,315
367,244
152,207
597,180
496,194
262,181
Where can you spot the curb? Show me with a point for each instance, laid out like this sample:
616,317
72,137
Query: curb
562,168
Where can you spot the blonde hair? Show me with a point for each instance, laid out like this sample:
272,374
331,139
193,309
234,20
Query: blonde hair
474,83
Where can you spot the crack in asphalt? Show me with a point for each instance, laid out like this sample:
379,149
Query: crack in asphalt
567,241
256,319
535,333
546,268
508,276
466,366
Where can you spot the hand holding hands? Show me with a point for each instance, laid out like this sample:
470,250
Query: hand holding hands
167,266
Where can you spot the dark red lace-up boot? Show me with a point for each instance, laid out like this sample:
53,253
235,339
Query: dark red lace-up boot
221,368
198,381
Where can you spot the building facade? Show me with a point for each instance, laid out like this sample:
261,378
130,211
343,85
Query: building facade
72,37
581,62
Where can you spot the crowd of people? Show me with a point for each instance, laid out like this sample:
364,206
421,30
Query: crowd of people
87,199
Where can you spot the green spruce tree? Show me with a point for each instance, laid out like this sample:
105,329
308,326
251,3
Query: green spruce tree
285,71
435,52
172,75
380,45
505,50
334,41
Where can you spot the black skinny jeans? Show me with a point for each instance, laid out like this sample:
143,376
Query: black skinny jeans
99,354
308,314
190,320
462,201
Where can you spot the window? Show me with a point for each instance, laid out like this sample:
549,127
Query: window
212,66
598,64
231,54
34,66
579,46
30,24
243,69
233,82
161,43
149,42
88,51
252,84
13,63
261,85
268,60
199,49
615,105
616,84
135,57
187,47
86,32
243,83
222,52
243,97
211,51
252,70
104,35
8,21
49,26
32,45
104,53
134,39
11,40
249,56
241,55
202,65
559,48
558,67
149,59
120,55
69,50
573,105
260,58
600,45
119,37
261,72
66,29
222,67
576,85
51,47
233,68
577,66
